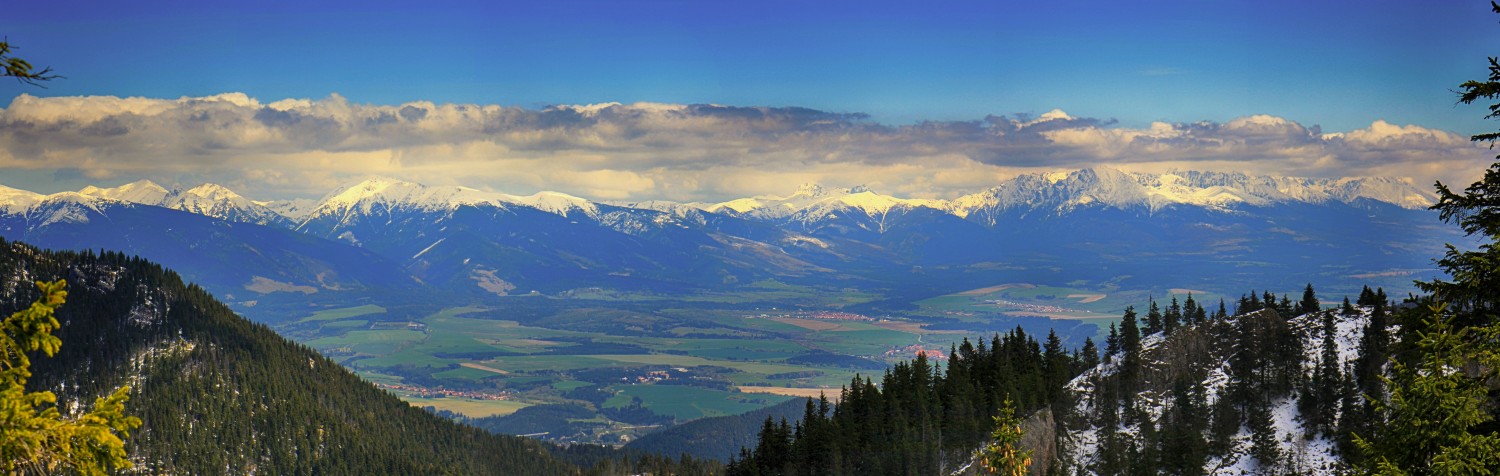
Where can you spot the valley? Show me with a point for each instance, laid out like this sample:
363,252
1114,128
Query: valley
677,360
601,322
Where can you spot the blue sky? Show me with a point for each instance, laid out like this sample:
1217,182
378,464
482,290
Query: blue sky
1326,66
1337,64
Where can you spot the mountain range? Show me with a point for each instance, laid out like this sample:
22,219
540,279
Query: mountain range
386,237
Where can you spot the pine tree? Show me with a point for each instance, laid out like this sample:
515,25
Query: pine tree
1154,322
1057,367
1474,291
1366,297
36,437
1004,455
1130,345
1374,349
1263,442
1183,447
1090,354
1320,396
1196,314
1435,417
1225,420
1309,301
1173,318
1111,343
1437,409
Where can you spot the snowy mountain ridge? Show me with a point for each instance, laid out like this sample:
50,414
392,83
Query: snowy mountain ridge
1048,193
208,199
1063,192
380,192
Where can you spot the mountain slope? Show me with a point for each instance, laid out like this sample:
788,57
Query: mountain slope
220,395
1233,396
717,438
208,199
245,263
464,238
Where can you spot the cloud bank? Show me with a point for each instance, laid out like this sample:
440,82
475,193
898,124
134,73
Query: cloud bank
300,147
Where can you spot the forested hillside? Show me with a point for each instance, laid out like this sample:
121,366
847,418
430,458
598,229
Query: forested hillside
221,395
1274,387
1258,392
920,419
716,438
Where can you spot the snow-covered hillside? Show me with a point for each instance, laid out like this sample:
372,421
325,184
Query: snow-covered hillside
1205,350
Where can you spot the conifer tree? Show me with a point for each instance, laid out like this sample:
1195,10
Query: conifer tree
35,436
1154,322
1366,297
1285,308
1057,367
1263,442
1183,447
1374,350
1225,419
1436,416
1251,305
1320,396
1194,310
1004,455
1130,345
1111,343
1309,301
1090,354
1474,291
1173,318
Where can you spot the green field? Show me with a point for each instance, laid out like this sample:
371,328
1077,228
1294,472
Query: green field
690,403
586,352
343,313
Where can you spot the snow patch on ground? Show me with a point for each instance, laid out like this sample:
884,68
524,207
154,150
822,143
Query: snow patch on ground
1306,456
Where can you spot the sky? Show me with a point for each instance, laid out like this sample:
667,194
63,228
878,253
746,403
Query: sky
720,99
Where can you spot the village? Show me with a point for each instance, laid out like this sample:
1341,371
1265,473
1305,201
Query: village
425,392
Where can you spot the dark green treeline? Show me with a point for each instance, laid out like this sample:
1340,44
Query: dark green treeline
921,419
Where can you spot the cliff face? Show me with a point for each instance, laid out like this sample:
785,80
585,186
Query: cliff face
1039,434
1041,438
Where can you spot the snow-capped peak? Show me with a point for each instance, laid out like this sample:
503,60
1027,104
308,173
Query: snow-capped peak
213,191
15,200
809,190
1105,186
555,202
387,193
815,200
143,192
219,202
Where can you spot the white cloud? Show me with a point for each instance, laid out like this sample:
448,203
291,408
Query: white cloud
300,147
